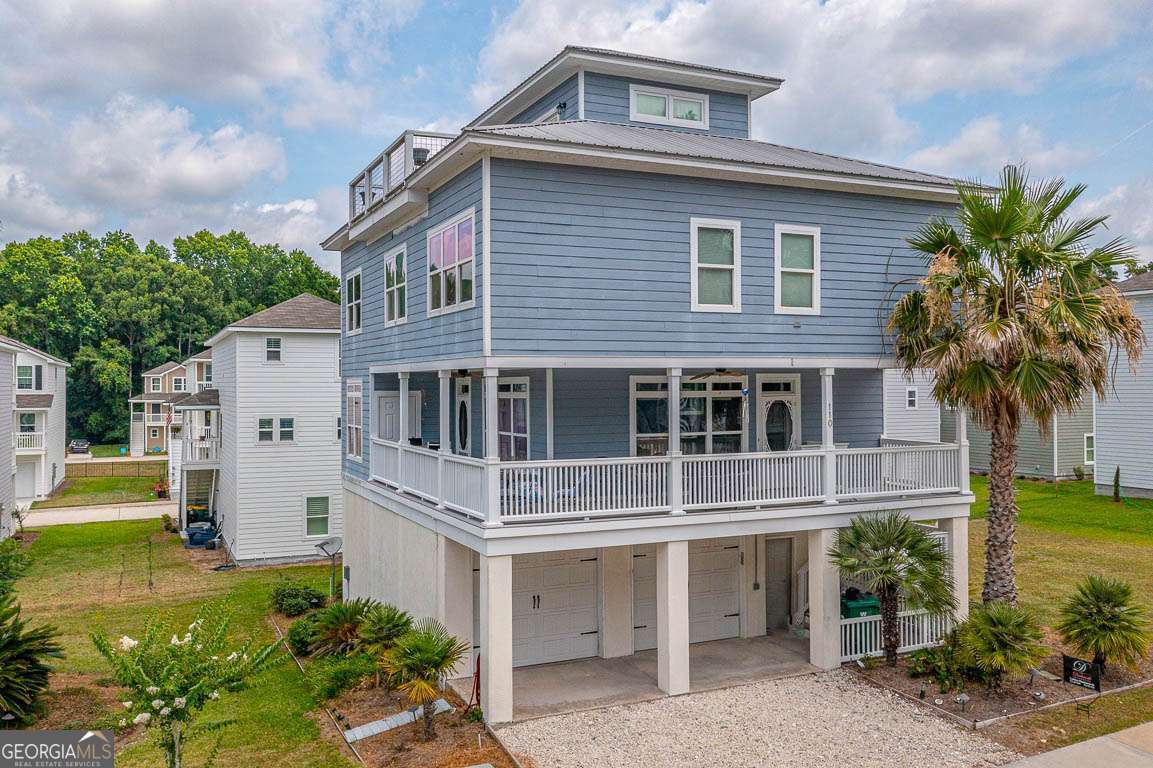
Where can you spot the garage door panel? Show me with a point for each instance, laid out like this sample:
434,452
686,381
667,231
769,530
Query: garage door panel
556,613
714,592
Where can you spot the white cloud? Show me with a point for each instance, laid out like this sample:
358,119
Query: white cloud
849,65
136,154
984,145
27,210
1130,210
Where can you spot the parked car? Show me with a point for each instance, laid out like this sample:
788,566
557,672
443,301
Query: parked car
78,446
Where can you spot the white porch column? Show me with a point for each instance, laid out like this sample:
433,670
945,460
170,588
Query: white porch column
496,638
402,429
549,409
455,596
444,395
676,460
962,449
491,448
824,602
616,601
827,444
673,617
957,529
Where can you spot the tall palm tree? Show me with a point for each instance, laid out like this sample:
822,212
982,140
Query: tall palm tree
419,660
1016,317
894,558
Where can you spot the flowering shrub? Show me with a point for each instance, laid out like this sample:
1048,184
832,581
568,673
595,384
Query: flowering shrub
170,676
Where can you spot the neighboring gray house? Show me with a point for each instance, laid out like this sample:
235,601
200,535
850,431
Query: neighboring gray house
1058,455
1124,437
613,380
911,411
37,397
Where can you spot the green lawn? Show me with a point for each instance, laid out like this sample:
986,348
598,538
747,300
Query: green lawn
106,575
104,451
86,491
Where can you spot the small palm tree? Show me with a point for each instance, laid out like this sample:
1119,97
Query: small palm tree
337,630
383,625
418,662
893,558
1101,619
1016,317
1001,639
24,669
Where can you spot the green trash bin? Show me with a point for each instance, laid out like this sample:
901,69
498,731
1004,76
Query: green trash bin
865,605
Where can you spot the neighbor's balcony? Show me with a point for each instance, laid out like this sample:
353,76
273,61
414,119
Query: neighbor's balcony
28,441
583,489
387,172
200,450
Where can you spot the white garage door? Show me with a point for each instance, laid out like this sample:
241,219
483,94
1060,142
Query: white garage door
714,592
555,612
25,480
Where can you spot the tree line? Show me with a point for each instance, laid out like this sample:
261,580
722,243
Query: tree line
115,310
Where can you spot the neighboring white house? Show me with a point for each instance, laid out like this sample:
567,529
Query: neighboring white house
35,385
260,449
1122,434
911,411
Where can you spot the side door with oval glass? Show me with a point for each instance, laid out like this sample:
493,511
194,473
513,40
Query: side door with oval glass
778,413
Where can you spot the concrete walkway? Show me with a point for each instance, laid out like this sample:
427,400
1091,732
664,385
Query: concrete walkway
1131,748
37,518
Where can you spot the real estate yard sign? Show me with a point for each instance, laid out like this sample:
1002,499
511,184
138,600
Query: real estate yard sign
1082,673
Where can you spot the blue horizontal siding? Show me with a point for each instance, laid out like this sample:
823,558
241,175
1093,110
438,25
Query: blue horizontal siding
567,92
594,261
607,99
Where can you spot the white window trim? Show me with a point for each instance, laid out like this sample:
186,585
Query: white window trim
344,302
547,117
1085,448
915,398
275,431
734,226
669,94
183,384
391,256
279,349
793,397
437,229
154,384
304,510
354,388
31,378
280,429
154,433
664,395
527,397
796,229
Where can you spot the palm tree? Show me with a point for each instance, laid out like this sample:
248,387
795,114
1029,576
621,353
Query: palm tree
1001,639
419,661
894,558
24,668
1100,618
1016,316
337,628
382,626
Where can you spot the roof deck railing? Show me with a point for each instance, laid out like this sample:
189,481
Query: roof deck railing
389,169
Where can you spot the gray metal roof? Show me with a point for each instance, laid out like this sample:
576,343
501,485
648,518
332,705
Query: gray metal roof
1141,282
304,311
663,141
666,62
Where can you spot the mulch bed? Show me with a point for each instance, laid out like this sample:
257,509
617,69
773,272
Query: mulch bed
1016,694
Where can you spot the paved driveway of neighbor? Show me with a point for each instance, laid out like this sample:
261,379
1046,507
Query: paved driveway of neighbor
1131,748
36,518
826,719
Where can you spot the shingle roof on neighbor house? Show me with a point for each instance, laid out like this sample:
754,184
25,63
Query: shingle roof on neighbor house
153,397
593,133
1141,282
33,402
8,341
203,399
161,369
304,311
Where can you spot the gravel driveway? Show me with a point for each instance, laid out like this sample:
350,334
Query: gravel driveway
830,719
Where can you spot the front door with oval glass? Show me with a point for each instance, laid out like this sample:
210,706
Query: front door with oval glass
778,412
462,407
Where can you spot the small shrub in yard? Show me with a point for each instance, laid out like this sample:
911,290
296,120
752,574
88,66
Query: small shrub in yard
418,662
1101,619
1079,472
338,627
945,665
332,676
24,654
302,634
293,598
1001,639
13,564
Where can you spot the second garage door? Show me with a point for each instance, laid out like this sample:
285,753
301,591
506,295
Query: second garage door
714,592
555,608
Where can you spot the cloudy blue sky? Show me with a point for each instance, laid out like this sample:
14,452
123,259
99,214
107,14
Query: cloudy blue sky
166,117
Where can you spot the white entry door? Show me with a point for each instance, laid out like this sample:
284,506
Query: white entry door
555,614
462,416
25,481
388,415
714,592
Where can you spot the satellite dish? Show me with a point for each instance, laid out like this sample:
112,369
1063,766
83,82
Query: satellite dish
331,546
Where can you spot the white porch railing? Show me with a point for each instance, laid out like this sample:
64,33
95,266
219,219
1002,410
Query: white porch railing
582,488
861,636
29,440
156,418
201,450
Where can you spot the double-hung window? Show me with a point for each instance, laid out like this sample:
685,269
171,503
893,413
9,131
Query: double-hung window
275,429
177,384
272,349
512,419
450,266
798,270
287,430
395,287
352,318
911,398
663,106
316,515
1090,448
24,378
354,413
264,429
155,383
715,248
712,416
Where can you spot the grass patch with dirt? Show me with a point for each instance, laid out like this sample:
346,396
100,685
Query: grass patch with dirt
91,491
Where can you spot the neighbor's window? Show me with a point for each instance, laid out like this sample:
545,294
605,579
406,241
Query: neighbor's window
712,415
177,384
264,431
154,383
27,422
155,433
395,287
1090,449
354,412
272,349
316,516
287,430
667,107
24,377
352,317
911,398
798,270
208,373
450,266
716,264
